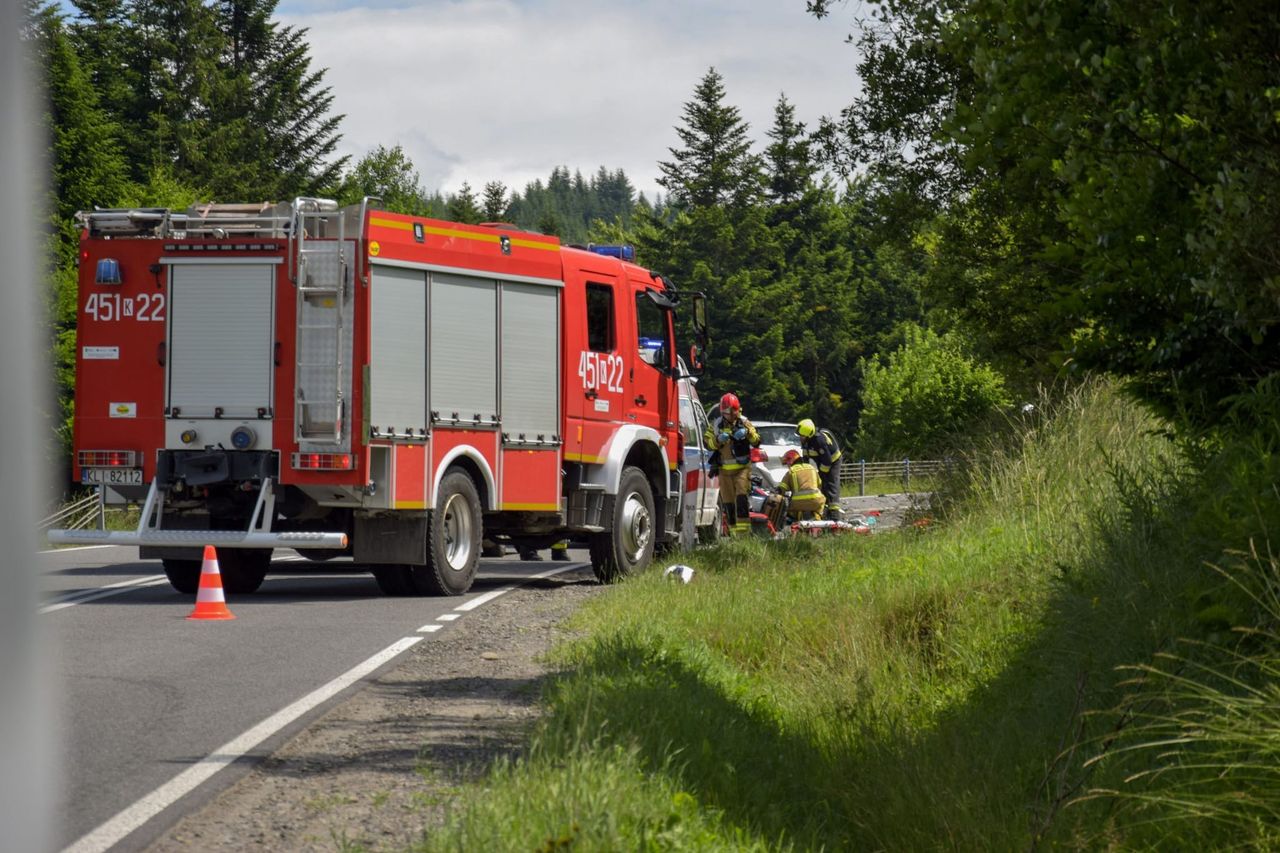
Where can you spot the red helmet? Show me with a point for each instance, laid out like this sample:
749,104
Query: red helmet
729,402
791,457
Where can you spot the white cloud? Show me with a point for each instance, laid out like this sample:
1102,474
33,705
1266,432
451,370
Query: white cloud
478,90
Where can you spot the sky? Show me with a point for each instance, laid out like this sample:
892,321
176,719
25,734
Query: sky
482,90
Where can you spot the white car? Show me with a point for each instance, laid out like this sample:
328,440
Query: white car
776,438
701,492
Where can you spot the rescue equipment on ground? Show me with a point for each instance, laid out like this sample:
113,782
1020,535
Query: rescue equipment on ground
679,572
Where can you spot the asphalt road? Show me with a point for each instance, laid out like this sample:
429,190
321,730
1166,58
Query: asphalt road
147,698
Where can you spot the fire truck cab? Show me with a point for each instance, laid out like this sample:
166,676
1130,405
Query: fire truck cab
346,380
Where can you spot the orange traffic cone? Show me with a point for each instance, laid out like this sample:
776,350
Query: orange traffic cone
210,602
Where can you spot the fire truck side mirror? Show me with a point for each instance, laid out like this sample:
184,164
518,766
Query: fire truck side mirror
700,317
701,332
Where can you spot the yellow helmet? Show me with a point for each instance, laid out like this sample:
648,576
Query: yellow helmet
806,428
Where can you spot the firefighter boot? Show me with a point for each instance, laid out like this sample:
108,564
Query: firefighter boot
742,516
560,551
728,517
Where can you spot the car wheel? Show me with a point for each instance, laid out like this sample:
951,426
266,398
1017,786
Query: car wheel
710,534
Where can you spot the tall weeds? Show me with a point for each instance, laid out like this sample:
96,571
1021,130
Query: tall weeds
1007,679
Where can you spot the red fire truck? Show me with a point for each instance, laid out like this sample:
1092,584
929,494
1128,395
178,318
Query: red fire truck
345,380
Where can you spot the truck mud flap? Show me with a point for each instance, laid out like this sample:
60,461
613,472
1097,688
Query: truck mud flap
400,538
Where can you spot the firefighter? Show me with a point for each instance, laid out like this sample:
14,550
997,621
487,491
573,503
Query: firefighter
559,551
820,446
802,481
731,437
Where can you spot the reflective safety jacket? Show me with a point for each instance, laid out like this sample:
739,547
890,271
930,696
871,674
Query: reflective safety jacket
801,480
733,452
822,449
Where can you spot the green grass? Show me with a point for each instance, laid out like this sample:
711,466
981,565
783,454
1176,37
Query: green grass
890,486
962,687
122,517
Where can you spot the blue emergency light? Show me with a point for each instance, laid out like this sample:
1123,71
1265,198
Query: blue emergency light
624,252
108,272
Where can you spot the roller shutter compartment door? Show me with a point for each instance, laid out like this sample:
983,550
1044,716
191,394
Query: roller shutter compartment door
463,316
530,362
398,352
220,339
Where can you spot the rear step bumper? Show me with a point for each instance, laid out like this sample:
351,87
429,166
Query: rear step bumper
217,538
151,533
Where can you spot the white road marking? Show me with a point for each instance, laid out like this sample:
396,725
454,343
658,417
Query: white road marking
104,592
481,599
429,629
449,617
118,827
75,548
549,572
490,596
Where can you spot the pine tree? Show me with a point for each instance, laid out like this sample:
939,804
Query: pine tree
463,207
270,109
715,166
100,36
789,163
217,95
494,201
173,48
88,168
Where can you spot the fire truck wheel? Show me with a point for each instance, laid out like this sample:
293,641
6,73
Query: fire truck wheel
394,579
455,531
629,544
183,575
244,569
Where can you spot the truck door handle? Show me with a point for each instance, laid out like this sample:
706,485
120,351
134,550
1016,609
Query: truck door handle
641,401
590,394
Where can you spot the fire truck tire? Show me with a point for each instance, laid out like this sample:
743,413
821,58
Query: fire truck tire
454,530
183,575
244,569
394,579
629,543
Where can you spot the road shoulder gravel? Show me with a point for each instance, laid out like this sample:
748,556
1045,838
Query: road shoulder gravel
379,769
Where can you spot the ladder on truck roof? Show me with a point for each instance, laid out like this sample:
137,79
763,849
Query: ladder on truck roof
321,273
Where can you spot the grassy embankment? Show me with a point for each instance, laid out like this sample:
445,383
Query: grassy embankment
891,486
958,687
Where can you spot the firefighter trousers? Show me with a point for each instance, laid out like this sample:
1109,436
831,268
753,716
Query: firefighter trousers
807,507
831,489
735,486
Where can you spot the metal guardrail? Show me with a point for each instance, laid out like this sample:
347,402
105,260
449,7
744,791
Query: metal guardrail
83,514
859,471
